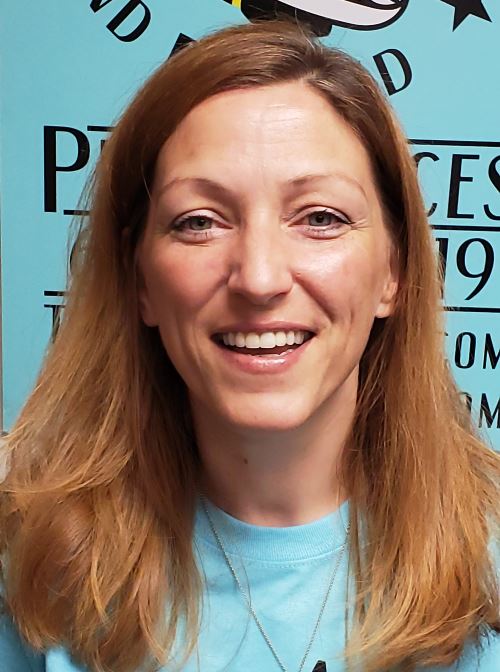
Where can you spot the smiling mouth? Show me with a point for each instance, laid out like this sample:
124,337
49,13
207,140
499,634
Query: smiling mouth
277,350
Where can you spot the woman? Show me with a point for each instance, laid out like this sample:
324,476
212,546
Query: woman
245,448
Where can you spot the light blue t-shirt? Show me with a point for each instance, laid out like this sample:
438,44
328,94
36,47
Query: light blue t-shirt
287,572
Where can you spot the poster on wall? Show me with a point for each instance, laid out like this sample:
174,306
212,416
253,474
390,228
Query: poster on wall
69,69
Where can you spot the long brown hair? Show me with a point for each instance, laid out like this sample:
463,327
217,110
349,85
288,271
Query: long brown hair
97,507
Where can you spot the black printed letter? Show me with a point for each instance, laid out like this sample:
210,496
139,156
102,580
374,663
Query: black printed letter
384,71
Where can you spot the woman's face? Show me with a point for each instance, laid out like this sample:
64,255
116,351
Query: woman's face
265,219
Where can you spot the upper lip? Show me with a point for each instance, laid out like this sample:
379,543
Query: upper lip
262,327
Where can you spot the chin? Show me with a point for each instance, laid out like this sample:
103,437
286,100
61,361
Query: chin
267,416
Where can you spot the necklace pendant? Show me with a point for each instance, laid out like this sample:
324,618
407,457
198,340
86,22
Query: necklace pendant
320,666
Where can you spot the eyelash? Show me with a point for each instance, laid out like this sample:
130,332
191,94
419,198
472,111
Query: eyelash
179,225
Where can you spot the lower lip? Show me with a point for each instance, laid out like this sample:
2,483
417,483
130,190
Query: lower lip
264,363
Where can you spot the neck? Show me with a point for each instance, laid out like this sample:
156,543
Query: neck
282,478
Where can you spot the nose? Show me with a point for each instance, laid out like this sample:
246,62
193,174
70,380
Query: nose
260,266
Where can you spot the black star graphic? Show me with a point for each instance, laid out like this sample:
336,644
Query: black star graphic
465,7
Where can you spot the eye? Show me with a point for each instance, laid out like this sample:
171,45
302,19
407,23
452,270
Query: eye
326,218
326,223
193,223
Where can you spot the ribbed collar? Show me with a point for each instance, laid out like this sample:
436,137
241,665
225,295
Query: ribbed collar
273,544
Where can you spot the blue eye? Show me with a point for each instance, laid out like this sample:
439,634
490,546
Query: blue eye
326,218
198,222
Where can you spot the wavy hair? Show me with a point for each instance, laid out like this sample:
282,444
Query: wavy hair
97,508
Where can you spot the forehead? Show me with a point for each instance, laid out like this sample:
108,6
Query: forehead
279,130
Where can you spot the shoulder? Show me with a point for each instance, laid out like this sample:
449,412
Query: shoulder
483,658
16,655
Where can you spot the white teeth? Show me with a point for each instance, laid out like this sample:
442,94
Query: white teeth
252,341
268,339
299,337
280,338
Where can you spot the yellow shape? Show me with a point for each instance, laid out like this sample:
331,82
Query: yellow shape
237,3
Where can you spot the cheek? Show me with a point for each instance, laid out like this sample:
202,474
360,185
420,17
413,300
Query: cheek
345,280
178,286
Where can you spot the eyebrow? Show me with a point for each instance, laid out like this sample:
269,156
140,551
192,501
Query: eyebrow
211,186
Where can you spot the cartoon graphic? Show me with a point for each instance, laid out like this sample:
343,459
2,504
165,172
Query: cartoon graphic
321,15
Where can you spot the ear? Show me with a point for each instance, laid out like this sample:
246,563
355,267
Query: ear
144,302
143,299
390,288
